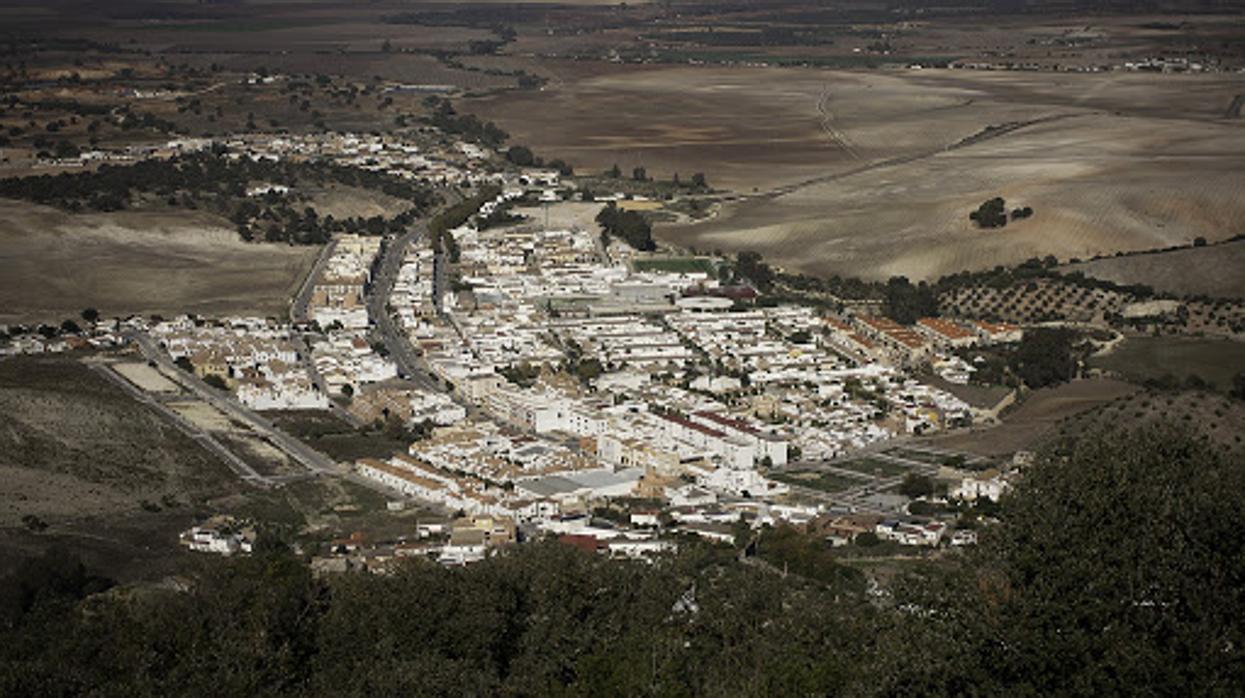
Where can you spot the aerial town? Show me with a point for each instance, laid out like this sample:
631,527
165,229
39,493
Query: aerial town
619,350
556,377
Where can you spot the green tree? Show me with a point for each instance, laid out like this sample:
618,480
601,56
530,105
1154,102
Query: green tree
991,214
1117,570
906,303
914,486
1045,357
521,156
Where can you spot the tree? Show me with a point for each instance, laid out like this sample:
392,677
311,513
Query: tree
521,156
215,381
639,174
698,181
90,314
1045,357
914,486
1238,386
1117,570
991,214
906,303
630,226
588,370
614,172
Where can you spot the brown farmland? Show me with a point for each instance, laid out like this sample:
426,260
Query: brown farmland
55,264
1214,270
870,173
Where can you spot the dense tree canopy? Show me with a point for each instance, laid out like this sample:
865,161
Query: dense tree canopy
907,302
1045,357
1117,569
991,214
629,226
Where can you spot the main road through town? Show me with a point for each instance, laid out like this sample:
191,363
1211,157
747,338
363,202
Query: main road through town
400,349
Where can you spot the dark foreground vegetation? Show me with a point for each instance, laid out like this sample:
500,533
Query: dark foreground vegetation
1118,569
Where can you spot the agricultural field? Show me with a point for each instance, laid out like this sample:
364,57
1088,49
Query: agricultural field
870,173
146,378
1212,270
87,468
1216,361
325,432
1037,417
55,264
1212,416
1046,299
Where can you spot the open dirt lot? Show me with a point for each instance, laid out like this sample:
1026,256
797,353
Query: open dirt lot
564,216
1215,270
73,444
53,264
867,173
146,378
113,482
1037,417
1216,361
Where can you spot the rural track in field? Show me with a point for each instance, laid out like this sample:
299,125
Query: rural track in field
986,134
827,124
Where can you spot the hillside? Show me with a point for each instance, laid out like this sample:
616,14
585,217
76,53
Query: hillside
1213,270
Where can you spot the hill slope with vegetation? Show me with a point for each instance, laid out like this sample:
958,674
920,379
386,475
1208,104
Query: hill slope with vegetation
1103,602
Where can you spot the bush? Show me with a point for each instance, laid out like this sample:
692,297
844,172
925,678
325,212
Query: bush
991,214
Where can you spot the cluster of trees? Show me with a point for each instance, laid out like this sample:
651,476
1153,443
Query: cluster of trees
206,180
440,226
522,156
993,213
766,36
629,226
907,302
1117,569
278,221
640,174
751,266
468,126
1045,356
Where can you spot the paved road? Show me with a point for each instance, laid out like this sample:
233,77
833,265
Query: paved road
305,349
300,452
298,307
205,439
401,351
316,463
